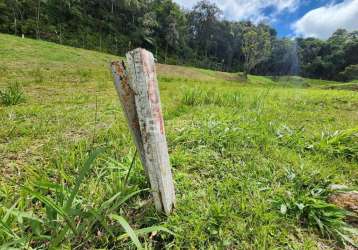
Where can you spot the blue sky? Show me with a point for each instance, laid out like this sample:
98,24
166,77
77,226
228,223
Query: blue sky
315,18
285,20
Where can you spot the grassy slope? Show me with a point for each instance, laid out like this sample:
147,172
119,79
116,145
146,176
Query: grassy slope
230,165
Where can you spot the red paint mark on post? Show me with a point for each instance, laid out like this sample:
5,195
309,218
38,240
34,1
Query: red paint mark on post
153,92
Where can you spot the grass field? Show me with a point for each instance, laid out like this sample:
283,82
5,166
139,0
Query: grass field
252,161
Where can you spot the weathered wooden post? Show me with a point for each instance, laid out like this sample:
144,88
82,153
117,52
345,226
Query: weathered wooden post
138,91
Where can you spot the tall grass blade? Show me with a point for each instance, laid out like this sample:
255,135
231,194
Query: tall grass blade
68,205
128,229
8,212
127,197
147,230
50,203
130,168
6,230
347,239
24,215
59,238
81,177
8,245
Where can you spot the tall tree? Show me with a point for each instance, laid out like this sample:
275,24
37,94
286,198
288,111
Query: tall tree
171,26
4,15
284,58
256,47
203,21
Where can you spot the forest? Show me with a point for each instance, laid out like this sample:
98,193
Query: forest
199,37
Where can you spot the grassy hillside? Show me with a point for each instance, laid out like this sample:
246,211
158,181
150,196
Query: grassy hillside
252,161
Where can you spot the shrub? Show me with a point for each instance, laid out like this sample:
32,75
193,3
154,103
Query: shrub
12,95
350,73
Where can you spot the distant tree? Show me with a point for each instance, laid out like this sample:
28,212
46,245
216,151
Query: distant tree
15,8
338,38
4,15
171,37
284,58
170,32
203,21
148,23
310,51
38,14
256,47
350,73
328,59
351,48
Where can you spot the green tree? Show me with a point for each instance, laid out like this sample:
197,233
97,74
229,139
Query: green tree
4,15
284,57
203,23
350,73
256,47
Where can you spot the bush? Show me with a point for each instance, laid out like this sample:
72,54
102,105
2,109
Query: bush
350,73
12,95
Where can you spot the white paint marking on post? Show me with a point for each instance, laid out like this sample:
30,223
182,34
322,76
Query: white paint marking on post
139,94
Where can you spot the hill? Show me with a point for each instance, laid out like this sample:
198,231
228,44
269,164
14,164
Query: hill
252,161
198,36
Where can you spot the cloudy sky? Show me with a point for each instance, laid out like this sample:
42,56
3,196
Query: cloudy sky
317,18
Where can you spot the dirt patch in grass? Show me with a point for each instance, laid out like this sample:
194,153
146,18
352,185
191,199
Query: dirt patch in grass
348,201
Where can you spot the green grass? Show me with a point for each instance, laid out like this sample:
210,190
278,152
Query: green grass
251,160
12,95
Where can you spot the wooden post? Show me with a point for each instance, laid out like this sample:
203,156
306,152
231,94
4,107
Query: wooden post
138,91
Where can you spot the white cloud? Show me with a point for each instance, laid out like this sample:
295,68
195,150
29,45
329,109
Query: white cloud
323,21
253,10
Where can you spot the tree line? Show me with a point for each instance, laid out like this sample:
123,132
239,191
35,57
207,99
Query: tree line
198,37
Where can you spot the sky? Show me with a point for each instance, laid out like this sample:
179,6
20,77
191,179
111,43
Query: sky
291,18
